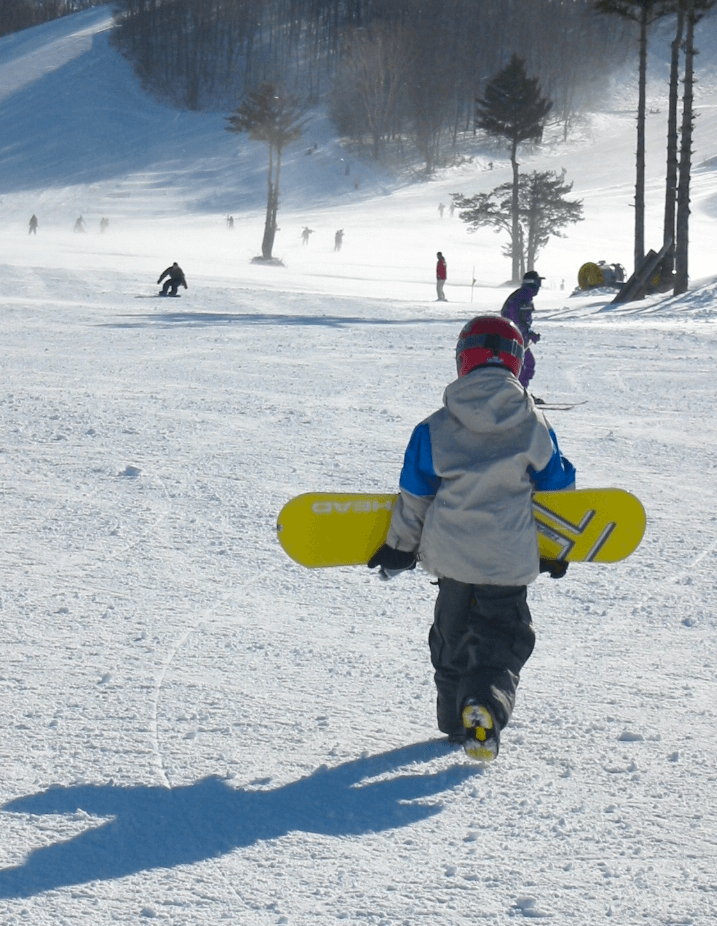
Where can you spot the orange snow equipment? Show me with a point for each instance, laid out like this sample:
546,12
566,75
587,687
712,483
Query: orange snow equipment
489,340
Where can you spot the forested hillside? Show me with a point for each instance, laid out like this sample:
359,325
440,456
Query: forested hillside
401,76
16,15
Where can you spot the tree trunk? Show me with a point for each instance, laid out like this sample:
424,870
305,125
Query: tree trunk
668,265
531,249
515,217
267,243
275,205
683,188
640,155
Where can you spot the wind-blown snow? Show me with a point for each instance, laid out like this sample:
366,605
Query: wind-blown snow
196,730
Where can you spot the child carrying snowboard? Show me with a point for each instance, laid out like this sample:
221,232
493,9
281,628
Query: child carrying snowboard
464,510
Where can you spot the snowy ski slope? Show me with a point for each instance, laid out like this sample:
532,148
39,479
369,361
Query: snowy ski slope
194,729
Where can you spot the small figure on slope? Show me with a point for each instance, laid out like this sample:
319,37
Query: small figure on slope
175,279
79,226
305,234
518,308
338,239
441,276
32,229
465,511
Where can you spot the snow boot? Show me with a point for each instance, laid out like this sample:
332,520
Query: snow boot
482,735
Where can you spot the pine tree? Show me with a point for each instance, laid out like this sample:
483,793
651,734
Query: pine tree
546,211
685,166
668,234
693,11
644,13
543,212
512,108
276,118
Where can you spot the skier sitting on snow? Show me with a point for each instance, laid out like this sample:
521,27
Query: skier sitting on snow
465,511
518,308
176,278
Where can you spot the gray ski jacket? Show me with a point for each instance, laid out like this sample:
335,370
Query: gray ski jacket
467,481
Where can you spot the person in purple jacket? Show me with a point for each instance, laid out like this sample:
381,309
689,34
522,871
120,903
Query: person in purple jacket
518,308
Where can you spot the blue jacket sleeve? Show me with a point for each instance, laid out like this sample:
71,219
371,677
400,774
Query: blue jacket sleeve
418,475
558,474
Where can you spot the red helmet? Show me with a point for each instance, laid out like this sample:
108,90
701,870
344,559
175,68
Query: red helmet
489,339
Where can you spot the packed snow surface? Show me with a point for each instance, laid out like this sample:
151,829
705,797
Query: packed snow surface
196,730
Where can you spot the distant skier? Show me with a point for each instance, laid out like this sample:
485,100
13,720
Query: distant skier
518,308
306,233
441,276
441,209
175,279
104,225
338,239
32,229
79,226
230,222
465,511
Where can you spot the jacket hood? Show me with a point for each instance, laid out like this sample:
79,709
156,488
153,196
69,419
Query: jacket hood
488,398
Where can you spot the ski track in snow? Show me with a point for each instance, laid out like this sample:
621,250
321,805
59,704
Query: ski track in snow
197,730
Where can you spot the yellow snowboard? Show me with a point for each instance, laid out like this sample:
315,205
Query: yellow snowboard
583,526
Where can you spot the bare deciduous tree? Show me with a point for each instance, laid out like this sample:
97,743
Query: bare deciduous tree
373,76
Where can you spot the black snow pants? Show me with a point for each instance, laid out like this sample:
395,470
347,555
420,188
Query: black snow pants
481,638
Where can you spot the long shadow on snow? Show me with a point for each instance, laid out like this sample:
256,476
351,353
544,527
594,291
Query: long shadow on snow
154,827
199,319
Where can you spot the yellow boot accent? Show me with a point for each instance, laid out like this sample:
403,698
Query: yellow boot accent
481,741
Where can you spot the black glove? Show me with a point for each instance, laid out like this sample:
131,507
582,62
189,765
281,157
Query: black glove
391,561
556,567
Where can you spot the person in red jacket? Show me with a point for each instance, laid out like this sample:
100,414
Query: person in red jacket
441,274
